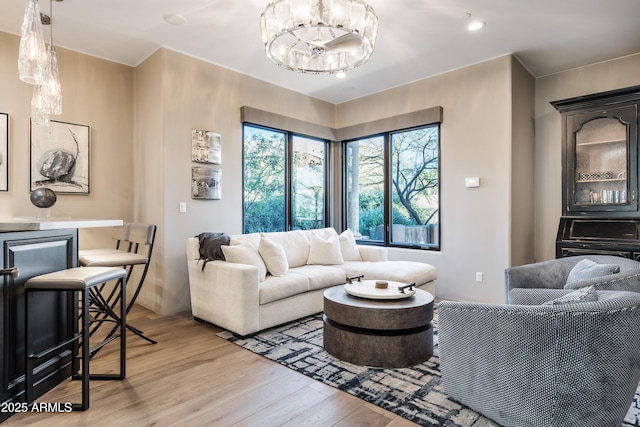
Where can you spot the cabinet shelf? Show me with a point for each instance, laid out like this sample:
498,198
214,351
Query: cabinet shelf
606,141
582,181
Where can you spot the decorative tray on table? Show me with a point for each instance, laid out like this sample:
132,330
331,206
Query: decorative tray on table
378,289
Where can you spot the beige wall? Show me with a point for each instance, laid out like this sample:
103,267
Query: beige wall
476,140
95,93
620,73
175,94
522,249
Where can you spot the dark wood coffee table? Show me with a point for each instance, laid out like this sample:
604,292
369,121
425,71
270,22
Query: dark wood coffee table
381,333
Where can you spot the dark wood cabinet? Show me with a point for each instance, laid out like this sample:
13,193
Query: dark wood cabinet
600,181
35,253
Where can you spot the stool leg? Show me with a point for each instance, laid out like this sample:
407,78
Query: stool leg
28,350
85,351
123,327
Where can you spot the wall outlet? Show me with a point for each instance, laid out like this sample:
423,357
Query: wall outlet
183,207
479,276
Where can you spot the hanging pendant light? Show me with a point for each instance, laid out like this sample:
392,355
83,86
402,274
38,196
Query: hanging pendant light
33,51
47,98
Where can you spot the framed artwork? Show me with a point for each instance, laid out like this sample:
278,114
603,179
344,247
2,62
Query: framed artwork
206,147
4,152
60,157
206,183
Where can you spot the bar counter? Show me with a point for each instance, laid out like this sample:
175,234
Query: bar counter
37,246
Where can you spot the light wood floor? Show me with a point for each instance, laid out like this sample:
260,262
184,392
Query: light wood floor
194,378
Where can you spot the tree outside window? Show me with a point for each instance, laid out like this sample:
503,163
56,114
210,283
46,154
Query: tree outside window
412,186
284,181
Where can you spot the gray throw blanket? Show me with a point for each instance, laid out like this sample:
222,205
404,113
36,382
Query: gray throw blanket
211,246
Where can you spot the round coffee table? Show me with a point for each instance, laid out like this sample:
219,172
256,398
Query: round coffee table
380,333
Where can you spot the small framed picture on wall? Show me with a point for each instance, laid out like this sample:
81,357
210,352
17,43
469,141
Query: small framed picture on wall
206,183
206,147
4,152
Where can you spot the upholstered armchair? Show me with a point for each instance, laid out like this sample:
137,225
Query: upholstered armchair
571,364
553,274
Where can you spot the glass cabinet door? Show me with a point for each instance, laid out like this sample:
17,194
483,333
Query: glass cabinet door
602,172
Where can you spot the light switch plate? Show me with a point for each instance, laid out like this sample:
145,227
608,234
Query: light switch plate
183,207
472,182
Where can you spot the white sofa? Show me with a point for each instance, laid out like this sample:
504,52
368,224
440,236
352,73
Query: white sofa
272,278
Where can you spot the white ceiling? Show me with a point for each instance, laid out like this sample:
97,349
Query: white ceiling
416,38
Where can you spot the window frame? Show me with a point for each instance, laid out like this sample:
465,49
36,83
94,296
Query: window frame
288,173
388,191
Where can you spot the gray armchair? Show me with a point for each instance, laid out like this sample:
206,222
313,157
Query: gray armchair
543,365
553,274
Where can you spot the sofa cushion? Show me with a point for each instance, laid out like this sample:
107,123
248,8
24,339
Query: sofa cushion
324,251
348,246
399,271
273,256
245,253
253,238
587,269
275,288
295,244
325,233
321,276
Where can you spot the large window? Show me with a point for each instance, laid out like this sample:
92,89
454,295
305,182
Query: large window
284,180
392,187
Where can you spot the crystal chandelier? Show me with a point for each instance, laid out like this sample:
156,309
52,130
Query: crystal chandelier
319,36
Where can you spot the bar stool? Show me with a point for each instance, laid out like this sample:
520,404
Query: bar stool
82,280
139,239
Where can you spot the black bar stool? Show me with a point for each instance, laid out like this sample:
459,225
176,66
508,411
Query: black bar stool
80,279
133,248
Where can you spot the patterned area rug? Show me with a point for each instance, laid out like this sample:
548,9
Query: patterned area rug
414,393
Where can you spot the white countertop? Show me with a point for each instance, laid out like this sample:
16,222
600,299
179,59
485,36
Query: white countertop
54,223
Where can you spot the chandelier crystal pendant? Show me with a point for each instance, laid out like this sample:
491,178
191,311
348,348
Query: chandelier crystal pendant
319,36
33,51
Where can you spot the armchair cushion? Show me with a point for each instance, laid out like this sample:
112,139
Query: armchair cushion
587,269
585,294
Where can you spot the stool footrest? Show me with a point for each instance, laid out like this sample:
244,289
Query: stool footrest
52,349
103,343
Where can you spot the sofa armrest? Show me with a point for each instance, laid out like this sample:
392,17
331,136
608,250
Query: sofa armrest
225,294
373,253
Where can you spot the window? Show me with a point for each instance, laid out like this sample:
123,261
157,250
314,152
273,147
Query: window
392,187
284,180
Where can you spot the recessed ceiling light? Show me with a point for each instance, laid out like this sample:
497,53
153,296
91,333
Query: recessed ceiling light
174,19
476,25
341,75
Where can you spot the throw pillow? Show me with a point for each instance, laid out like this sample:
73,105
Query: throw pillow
586,269
245,253
324,251
586,294
274,257
348,246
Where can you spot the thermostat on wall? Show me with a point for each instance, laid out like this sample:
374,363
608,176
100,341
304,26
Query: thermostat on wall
473,181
